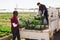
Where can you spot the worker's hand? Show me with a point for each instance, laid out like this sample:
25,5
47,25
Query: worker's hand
42,14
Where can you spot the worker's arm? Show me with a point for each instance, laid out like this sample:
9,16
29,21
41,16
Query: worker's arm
43,11
44,8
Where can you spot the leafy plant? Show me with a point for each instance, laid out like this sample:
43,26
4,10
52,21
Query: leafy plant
37,27
38,17
30,26
40,27
36,22
22,24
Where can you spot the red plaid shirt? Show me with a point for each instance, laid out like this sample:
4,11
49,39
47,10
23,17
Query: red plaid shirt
14,20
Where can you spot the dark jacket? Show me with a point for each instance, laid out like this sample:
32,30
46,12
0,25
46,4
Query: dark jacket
43,7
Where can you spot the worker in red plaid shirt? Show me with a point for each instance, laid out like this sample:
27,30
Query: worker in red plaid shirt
15,26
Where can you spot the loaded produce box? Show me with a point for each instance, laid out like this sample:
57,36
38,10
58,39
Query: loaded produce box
36,29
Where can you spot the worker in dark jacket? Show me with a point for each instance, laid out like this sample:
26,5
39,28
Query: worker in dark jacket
44,10
15,26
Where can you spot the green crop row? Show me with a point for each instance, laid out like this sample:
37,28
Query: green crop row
4,31
2,34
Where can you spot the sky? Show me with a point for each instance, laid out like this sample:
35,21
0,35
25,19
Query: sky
11,4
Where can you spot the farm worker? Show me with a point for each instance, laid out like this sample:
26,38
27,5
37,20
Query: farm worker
44,10
15,26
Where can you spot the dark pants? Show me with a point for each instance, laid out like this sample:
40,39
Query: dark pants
16,34
47,19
